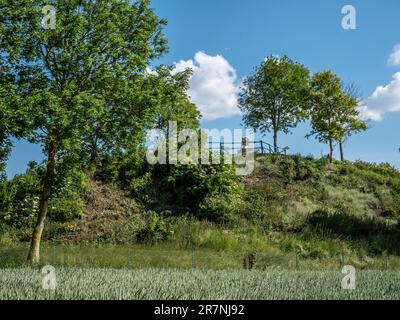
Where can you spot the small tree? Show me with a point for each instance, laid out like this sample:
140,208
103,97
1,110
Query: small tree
275,96
333,113
66,76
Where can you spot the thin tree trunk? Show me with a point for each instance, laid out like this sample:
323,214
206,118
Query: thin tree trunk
94,155
341,151
275,141
34,251
330,151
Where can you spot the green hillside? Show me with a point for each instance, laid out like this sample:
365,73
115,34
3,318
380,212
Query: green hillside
290,206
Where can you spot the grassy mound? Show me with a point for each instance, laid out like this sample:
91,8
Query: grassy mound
291,206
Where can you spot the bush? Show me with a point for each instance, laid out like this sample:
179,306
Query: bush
19,203
288,167
156,228
263,204
389,204
220,209
305,169
67,201
186,189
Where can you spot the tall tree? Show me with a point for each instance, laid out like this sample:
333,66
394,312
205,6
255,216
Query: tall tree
66,74
117,139
333,113
274,97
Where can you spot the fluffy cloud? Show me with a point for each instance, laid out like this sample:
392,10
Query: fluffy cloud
213,86
384,99
394,59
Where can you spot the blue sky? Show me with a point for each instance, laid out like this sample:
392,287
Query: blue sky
225,39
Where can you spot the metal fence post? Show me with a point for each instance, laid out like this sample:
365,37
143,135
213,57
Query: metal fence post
341,260
54,255
193,258
387,260
129,259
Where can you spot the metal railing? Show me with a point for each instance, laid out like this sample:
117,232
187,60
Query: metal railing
260,147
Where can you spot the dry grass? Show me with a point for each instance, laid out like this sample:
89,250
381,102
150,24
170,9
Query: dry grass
107,208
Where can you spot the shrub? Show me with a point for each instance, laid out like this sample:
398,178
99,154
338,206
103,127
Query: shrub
220,209
287,167
20,206
185,189
305,169
389,203
67,201
155,229
20,201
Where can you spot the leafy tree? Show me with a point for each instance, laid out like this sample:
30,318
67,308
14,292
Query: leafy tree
175,103
275,96
66,77
162,97
119,125
333,113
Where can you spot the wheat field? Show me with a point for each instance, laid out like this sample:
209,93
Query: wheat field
171,284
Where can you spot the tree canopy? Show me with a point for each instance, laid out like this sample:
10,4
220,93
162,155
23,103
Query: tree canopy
334,114
274,97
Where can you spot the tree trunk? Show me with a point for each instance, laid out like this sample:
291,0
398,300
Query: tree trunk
34,251
330,151
275,141
94,155
341,151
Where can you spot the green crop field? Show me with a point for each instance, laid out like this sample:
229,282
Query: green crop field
146,284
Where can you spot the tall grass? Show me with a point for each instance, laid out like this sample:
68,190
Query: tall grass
167,256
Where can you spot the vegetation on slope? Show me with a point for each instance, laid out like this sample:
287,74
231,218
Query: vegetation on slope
289,205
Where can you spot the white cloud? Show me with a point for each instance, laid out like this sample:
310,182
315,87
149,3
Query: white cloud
213,86
384,99
150,71
394,59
